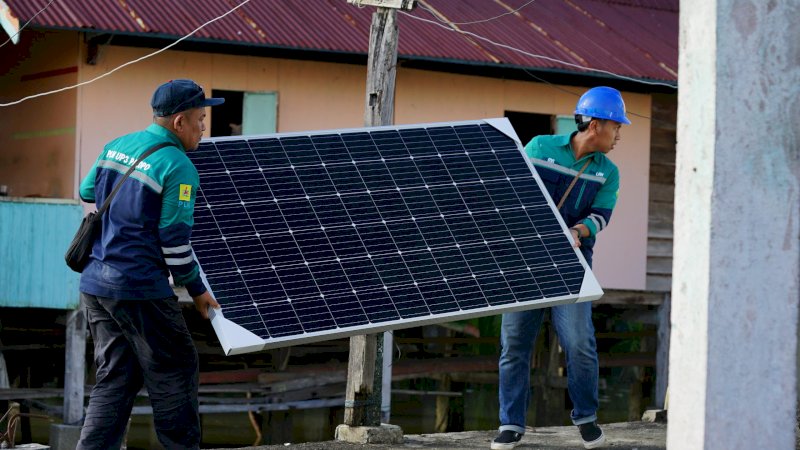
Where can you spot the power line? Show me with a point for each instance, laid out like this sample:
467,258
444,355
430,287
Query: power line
533,55
84,83
26,24
479,21
578,94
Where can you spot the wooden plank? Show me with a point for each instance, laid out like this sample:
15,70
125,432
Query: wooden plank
639,359
30,393
663,214
28,347
231,376
665,108
659,230
662,352
75,366
447,340
255,405
662,192
659,265
664,158
662,173
663,135
659,247
658,283
427,393
624,297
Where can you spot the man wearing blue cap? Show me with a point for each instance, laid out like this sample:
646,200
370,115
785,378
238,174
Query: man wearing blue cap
140,336
585,183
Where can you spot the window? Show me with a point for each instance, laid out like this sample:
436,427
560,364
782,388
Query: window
530,125
244,113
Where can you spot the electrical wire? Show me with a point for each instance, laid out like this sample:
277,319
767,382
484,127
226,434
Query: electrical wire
533,55
26,24
479,21
150,55
578,94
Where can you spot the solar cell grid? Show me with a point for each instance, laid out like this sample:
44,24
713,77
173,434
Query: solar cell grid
304,237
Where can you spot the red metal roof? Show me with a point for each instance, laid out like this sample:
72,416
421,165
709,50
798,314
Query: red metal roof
635,38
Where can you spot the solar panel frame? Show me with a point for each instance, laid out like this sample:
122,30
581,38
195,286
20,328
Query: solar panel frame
391,184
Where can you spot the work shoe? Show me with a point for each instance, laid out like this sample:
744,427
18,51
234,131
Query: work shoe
506,440
592,435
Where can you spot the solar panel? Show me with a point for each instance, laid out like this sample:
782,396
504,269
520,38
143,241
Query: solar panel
304,237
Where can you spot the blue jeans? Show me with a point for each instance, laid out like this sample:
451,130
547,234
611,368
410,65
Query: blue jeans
573,324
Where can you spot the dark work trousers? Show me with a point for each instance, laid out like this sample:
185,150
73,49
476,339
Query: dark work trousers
136,343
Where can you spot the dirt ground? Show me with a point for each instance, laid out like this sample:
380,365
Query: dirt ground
621,436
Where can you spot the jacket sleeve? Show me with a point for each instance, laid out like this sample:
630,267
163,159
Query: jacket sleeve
175,226
86,191
603,204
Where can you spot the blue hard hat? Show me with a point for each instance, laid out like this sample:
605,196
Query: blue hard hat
602,103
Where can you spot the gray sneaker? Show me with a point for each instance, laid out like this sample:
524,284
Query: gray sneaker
592,435
506,440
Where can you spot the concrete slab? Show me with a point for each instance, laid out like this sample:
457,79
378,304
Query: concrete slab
384,434
621,436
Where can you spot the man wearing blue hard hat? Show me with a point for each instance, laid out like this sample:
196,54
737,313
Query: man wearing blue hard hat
585,183
140,336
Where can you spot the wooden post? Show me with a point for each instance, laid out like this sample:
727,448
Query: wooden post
381,68
360,380
75,366
662,353
363,395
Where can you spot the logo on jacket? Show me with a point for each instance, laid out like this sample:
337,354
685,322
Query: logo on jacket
185,194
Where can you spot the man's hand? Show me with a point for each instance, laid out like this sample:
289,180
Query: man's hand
203,301
579,231
576,236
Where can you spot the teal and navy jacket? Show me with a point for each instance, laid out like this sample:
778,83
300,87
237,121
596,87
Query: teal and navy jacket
593,197
146,229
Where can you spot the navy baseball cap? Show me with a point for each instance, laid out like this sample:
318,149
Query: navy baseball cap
175,96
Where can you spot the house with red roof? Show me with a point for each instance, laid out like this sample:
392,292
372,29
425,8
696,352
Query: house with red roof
76,74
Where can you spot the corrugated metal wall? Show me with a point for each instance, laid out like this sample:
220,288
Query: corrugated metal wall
34,234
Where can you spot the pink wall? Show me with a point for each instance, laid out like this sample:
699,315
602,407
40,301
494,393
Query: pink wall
37,137
313,95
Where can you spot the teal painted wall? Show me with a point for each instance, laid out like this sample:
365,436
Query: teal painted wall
34,234
565,124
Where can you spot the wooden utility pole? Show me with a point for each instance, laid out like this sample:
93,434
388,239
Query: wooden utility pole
364,376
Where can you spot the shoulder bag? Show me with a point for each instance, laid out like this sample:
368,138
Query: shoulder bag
80,249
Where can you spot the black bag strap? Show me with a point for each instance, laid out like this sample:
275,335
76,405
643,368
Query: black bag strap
149,152
572,184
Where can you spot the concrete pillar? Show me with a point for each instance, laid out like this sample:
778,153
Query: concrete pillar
737,227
